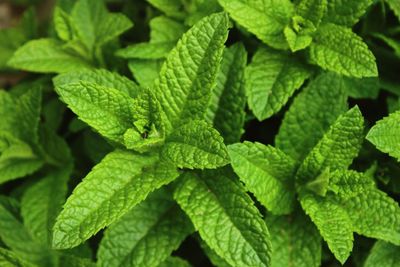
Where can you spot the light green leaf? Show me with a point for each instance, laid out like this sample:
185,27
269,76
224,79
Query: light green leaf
186,78
299,33
228,99
312,10
295,240
145,71
111,27
146,235
346,13
42,202
383,254
385,135
73,261
99,77
15,236
46,55
10,259
108,110
196,145
172,8
146,50
211,255
336,48
164,29
311,114
264,18
174,262
62,24
332,221
266,172
337,148
225,217
271,79
94,203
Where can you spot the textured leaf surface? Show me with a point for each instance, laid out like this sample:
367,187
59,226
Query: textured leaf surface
95,203
271,78
196,145
346,13
333,223
175,262
146,235
267,172
99,77
295,240
42,202
225,217
337,148
186,78
10,259
312,10
385,135
362,88
311,114
107,110
46,55
383,254
228,100
264,18
336,48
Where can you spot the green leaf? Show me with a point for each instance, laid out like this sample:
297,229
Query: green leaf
395,6
385,135
271,79
94,25
146,50
174,262
362,88
15,236
42,202
228,99
145,71
164,29
99,77
95,202
62,24
10,259
225,217
196,145
337,148
383,254
146,235
45,56
212,256
336,48
172,8
312,112
346,13
186,78
333,223
264,18
295,240
107,109
312,10
266,172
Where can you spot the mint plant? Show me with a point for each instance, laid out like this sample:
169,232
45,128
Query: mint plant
200,133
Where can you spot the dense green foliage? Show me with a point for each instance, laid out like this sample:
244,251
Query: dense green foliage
169,133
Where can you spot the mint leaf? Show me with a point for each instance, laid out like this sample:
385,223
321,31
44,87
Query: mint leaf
186,78
10,259
338,49
383,254
42,202
312,112
159,226
46,55
362,88
145,71
267,173
94,203
346,13
225,217
266,19
337,148
385,135
299,33
171,8
228,99
395,6
312,10
146,50
295,240
195,145
62,24
175,261
108,110
271,78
